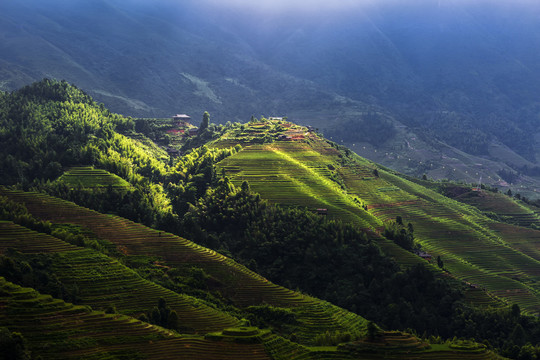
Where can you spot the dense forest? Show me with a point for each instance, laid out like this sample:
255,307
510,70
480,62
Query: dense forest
51,126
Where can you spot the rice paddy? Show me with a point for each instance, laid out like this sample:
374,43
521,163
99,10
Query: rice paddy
88,177
313,174
102,281
237,283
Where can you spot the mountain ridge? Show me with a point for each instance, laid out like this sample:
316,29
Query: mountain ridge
462,74
316,216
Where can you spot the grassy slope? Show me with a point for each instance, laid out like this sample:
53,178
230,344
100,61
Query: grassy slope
507,208
234,281
59,330
103,281
89,177
297,173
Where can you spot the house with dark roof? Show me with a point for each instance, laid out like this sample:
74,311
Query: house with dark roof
182,119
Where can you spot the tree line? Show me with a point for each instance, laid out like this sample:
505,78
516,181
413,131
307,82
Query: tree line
51,125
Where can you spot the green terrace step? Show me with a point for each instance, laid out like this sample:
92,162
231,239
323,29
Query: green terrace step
57,325
102,281
74,332
460,234
327,316
280,348
525,240
92,178
527,219
296,174
15,236
239,284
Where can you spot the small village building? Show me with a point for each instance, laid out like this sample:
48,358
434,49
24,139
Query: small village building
275,118
182,119
284,137
193,131
310,128
322,211
424,255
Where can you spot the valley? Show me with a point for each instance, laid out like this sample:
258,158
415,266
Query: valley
445,90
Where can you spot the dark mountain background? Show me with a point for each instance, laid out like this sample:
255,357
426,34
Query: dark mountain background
443,88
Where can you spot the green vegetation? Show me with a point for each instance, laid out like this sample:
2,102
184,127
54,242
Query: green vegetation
162,315
59,330
13,345
88,177
290,208
297,173
401,235
497,206
233,281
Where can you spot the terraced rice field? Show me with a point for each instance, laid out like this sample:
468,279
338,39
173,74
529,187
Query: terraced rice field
280,348
59,330
506,207
236,282
525,240
103,281
88,177
395,345
459,233
327,316
314,316
298,173
201,349
28,241
295,173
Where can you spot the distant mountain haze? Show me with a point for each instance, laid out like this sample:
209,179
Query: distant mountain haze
419,77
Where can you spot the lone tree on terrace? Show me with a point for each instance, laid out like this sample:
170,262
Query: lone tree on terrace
205,121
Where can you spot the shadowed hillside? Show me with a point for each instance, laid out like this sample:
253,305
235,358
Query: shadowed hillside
193,239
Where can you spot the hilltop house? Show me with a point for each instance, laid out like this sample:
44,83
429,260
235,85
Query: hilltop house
182,119
424,255
284,137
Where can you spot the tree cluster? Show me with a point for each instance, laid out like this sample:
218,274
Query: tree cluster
50,125
400,234
13,346
162,315
35,271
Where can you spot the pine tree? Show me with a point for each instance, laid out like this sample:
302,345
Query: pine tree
172,322
205,121
440,262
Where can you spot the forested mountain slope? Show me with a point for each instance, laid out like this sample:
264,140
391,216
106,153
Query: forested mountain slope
445,88
294,211
147,59
312,172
